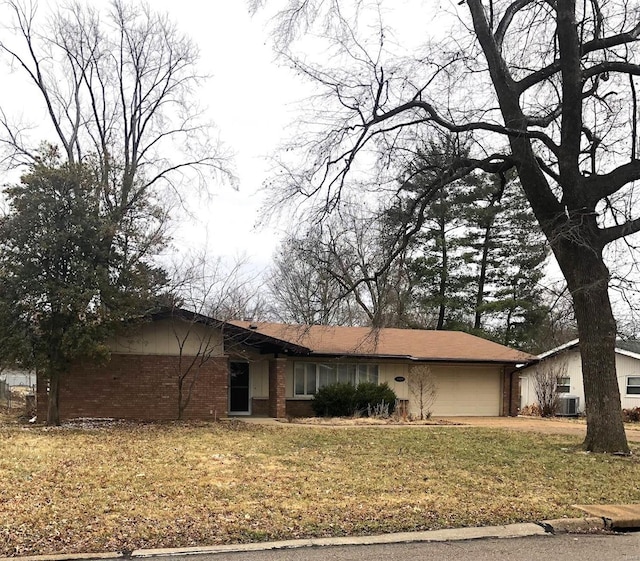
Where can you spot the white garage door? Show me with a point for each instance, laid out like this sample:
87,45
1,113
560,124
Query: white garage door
471,391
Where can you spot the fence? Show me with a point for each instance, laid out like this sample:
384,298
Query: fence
15,386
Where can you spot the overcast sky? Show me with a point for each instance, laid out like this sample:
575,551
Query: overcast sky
251,99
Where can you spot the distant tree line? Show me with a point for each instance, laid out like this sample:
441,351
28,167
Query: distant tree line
475,262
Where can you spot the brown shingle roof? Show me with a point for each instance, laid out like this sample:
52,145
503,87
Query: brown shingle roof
416,344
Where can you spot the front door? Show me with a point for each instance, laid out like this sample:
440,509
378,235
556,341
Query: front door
239,388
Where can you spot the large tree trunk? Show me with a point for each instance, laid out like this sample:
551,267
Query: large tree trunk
53,412
588,280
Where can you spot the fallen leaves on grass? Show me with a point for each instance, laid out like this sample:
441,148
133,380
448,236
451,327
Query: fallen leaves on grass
115,487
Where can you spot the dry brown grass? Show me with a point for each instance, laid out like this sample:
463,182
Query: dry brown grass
124,486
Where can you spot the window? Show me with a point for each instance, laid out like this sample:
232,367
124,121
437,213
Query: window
308,377
633,385
304,378
563,384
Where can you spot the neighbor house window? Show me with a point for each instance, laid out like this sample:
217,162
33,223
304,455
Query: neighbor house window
308,377
633,385
564,384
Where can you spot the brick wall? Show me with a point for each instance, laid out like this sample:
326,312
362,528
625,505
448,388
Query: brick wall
140,387
299,408
260,406
293,407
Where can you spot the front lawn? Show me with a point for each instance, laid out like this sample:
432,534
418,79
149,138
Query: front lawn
130,486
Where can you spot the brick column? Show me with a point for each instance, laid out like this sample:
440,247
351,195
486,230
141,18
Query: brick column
277,386
510,392
515,393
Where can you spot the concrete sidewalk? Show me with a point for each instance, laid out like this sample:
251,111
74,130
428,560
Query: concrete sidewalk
509,531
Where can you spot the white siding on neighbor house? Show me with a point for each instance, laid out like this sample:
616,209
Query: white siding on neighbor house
162,338
19,377
573,371
625,366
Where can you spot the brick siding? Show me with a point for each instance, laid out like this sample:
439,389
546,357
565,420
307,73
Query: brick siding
299,408
141,387
510,392
277,388
260,406
293,407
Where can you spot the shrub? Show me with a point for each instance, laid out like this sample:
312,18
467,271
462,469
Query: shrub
334,400
532,410
631,415
380,411
345,400
368,396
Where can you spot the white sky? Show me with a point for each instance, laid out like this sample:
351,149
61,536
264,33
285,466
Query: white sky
248,96
251,100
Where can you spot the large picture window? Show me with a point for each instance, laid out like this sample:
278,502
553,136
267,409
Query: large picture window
308,377
633,385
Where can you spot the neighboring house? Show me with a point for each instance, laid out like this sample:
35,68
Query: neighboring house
16,377
267,369
565,361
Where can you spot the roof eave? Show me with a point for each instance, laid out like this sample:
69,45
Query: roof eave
421,359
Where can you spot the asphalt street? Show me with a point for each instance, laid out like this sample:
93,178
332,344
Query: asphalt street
562,547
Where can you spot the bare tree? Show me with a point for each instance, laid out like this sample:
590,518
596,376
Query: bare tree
422,387
545,385
116,89
302,291
342,255
545,88
206,291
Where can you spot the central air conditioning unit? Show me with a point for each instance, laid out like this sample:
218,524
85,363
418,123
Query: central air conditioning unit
568,406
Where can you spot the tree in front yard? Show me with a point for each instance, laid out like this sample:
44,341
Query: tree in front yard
545,89
116,86
423,389
61,292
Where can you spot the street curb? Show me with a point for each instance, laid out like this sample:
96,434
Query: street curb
454,534
576,525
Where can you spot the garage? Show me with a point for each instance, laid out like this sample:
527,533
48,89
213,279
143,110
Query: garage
467,391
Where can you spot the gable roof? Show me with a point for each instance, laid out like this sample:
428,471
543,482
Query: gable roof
625,348
234,334
413,344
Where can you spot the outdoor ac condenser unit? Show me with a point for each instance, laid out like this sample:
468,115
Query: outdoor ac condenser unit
568,405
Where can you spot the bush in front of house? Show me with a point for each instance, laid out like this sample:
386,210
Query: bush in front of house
631,415
369,396
334,400
346,400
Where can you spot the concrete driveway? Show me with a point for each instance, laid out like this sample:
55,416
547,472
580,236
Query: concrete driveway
556,425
